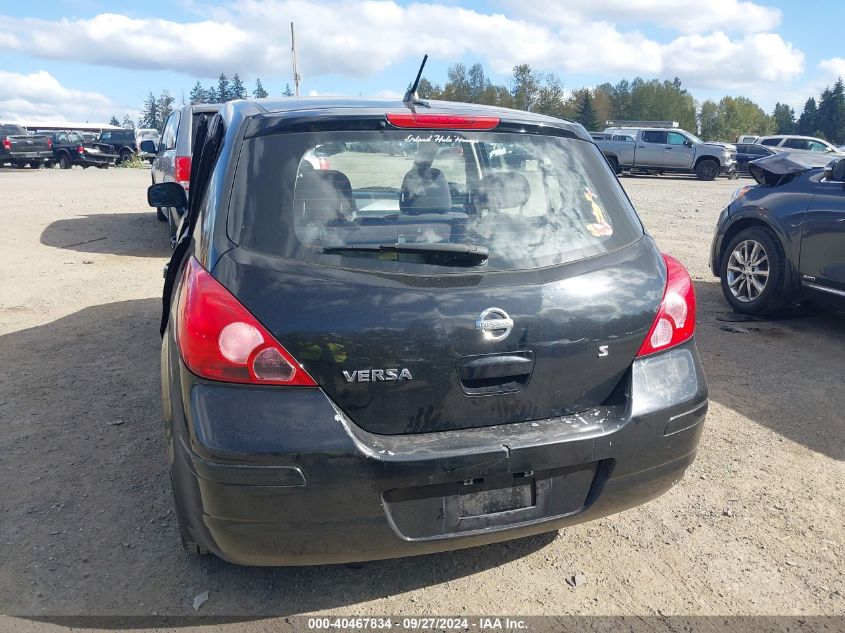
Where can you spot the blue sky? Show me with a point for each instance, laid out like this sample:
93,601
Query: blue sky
89,59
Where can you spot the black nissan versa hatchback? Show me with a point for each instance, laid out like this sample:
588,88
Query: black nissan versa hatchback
369,353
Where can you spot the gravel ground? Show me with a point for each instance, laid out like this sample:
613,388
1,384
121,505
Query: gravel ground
756,526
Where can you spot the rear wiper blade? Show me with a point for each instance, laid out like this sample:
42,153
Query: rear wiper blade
470,252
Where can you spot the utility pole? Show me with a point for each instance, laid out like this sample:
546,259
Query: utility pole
295,66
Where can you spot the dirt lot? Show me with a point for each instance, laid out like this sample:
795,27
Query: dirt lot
756,527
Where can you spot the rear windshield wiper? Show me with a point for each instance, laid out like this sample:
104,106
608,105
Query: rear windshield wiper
470,253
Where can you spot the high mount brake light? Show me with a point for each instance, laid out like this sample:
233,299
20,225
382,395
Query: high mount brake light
442,121
220,339
675,320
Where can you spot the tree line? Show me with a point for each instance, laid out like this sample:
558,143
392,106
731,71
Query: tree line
528,89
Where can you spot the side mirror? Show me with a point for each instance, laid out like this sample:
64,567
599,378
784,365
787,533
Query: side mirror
834,171
167,194
149,147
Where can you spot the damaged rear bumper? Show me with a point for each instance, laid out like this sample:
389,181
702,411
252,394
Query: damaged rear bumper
266,477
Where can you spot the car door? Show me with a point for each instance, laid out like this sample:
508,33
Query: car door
823,240
650,148
678,154
164,162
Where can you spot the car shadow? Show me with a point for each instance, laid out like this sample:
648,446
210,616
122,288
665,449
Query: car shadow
132,234
87,502
784,372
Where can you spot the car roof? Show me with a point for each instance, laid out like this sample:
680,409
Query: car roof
343,105
807,138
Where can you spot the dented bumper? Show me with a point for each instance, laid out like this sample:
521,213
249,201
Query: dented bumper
272,477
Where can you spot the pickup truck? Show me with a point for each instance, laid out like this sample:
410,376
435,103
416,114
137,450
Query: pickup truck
659,150
21,148
71,148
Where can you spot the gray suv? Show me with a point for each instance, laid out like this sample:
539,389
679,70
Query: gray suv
172,161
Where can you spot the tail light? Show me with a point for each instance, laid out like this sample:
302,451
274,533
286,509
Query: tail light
7,144
675,320
80,149
324,163
219,339
442,121
49,143
182,171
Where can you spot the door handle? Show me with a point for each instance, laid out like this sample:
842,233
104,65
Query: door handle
504,366
495,373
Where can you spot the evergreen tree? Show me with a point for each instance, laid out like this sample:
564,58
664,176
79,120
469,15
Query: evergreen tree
198,94
237,90
428,90
831,113
550,99
784,119
211,96
259,92
524,87
457,86
585,114
114,121
287,91
477,83
807,122
223,89
149,113
165,107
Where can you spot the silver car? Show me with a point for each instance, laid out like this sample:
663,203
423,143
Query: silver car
793,143
172,161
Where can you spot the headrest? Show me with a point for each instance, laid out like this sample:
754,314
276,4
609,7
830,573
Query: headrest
425,190
325,192
503,190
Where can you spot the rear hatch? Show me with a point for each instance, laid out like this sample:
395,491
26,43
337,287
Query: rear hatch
459,286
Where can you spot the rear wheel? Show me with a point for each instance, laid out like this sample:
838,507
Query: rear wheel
125,157
753,272
707,169
64,161
19,165
36,164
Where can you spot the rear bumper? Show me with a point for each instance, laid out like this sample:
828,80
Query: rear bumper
94,159
265,477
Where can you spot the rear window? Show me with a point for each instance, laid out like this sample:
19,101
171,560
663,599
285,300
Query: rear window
361,199
771,142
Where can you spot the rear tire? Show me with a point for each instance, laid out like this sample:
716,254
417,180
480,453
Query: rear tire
64,161
125,157
707,169
753,257
36,164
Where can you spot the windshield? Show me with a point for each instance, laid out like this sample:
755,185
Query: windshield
693,137
363,199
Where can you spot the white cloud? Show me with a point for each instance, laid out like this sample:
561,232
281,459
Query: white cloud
364,37
39,96
686,16
716,61
835,67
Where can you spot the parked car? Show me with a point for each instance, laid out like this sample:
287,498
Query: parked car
659,150
147,134
747,139
784,238
746,152
126,143
19,148
791,143
70,148
356,364
172,154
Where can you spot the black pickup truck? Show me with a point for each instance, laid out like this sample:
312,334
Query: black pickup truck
20,148
70,148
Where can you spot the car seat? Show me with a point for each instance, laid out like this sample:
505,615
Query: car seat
425,190
325,195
